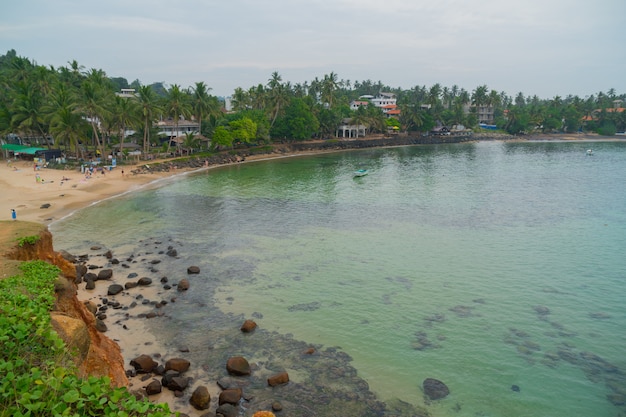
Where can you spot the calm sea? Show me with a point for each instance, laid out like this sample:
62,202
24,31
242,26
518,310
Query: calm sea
498,268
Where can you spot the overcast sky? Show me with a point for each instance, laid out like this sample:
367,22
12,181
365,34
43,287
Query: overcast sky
542,47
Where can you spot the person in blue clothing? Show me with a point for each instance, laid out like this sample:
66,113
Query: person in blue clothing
13,214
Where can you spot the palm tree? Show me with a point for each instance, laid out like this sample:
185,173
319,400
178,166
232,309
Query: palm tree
329,86
176,106
94,100
27,109
201,102
190,142
240,99
278,97
125,113
149,109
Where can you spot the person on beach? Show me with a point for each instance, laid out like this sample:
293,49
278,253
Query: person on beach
122,173
13,214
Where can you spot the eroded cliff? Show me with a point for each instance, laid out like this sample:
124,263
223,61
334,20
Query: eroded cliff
94,353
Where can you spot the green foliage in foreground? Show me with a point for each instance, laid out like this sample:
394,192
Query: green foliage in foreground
38,376
27,240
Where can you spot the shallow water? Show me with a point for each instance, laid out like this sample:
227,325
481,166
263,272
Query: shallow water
483,265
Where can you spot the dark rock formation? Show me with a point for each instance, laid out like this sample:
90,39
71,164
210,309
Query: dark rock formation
278,379
193,270
154,387
143,364
200,399
114,289
435,389
177,364
230,396
105,274
237,365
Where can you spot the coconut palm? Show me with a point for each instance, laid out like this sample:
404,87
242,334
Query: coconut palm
149,109
94,100
176,106
201,103
125,112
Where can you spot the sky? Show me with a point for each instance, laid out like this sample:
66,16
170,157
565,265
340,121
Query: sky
537,47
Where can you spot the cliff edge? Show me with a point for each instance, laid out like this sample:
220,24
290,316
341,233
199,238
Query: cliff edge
94,353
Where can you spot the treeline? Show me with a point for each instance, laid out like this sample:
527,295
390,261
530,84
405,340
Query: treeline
77,107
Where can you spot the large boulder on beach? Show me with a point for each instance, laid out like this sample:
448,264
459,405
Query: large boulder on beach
114,289
200,399
143,364
278,379
144,281
105,274
230,396
238,365
154,387
435,389
177,364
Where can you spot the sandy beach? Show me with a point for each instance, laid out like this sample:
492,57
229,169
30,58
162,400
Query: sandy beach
61,192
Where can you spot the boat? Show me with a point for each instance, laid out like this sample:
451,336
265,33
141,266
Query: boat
360,173
589,152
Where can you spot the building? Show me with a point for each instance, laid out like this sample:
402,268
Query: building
168,129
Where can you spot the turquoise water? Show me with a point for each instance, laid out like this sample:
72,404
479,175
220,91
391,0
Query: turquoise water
484,265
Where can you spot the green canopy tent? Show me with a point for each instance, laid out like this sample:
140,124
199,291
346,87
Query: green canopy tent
9,147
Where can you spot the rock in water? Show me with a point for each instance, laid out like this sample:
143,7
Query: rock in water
515,388
435,389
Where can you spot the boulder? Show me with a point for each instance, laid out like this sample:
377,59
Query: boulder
143,364
73,331
230,396
435,389
172,252
105,274
278,379
114,289
90,276
177,364
183,285
200,399
154,387
226,410
248,326
238,365
178,383
168,376
81,270
90,284
144,281
193,270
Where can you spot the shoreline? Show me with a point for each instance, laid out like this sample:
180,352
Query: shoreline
101,188
54,198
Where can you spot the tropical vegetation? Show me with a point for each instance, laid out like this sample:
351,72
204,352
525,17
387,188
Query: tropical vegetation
78,110
39,377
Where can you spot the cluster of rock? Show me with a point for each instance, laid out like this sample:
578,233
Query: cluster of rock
171,374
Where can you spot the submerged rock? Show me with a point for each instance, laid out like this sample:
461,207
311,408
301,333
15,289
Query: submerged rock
435,389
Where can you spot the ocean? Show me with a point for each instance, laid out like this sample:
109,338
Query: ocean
495,267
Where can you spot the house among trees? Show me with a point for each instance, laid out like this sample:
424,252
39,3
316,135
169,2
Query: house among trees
168,129
348,130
